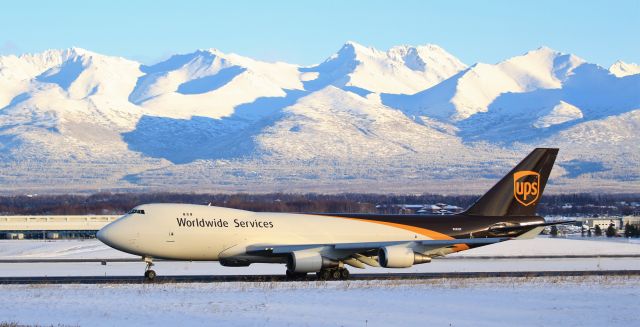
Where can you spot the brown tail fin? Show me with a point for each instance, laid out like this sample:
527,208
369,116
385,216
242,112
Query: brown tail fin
519,192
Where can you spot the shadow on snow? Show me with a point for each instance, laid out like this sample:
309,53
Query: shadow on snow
186,140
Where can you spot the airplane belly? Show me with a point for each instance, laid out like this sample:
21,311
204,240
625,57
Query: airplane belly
186,246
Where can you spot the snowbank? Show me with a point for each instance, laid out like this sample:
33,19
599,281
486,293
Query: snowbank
496,302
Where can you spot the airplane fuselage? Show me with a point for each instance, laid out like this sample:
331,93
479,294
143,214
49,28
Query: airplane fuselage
197,232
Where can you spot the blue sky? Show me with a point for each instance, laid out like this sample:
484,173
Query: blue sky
306,32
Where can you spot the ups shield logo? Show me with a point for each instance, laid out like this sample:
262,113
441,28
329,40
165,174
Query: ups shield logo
526,186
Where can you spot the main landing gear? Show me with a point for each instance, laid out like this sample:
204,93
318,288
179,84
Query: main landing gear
339,273
149,274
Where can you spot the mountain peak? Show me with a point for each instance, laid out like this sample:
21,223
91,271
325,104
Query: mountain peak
79,51
425,56
548,66
353,49
211,51
542,51
75,52
400,70
354,44
544,48
408,47
622,69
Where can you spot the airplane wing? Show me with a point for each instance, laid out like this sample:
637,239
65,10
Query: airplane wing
360,254
274,249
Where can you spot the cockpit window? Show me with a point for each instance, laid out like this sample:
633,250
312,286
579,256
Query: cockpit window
132,211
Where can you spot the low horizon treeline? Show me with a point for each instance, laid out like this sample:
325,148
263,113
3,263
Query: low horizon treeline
118,203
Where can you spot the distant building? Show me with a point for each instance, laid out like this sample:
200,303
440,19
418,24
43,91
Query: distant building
603,222
53,227
631,220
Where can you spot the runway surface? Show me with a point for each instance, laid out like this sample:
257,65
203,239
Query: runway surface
311,277
77,260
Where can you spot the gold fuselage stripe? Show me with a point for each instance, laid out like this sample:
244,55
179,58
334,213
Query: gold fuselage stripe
418,230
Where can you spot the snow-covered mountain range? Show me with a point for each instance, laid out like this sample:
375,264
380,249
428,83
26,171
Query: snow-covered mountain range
410,119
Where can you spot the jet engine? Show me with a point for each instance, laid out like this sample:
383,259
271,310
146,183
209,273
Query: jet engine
303,262
400,257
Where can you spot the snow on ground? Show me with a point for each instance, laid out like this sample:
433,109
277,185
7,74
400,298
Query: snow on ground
584,301
61,249
556,247
93,249
566,301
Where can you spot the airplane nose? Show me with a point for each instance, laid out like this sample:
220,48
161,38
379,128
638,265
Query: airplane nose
119,235
115,235
104,235
100,234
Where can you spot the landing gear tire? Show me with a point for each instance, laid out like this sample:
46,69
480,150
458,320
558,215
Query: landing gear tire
323,274
150,275
292,275
333,274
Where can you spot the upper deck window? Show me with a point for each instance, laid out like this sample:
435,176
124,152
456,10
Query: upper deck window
132,211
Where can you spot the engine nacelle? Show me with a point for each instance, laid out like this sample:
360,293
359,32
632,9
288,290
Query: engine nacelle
400,257
303,262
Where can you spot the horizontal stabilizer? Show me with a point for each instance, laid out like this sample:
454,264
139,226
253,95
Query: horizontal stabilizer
520,227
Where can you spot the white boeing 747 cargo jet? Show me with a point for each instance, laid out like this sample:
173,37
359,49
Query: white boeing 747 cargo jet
324,243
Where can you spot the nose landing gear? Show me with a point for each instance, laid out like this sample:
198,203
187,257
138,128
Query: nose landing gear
149,274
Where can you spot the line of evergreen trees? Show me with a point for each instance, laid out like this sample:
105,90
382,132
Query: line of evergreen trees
611,231
631,230
115,203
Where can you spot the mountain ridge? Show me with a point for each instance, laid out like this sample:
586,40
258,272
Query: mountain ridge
408,119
